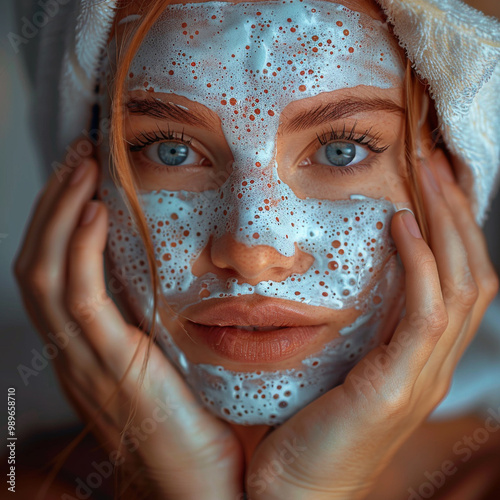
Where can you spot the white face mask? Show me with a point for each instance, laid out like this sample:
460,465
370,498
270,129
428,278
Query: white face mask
246,62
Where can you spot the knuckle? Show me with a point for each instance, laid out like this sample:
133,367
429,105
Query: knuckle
437,321
38,282
433,394
18,270
387,400
425,263
395,402
489,285
442,390
467,292
439,390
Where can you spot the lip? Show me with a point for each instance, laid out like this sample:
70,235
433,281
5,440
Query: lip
251,310
215,324
269,346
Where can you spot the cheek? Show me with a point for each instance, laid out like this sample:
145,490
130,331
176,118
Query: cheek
349,242
395,178
390,180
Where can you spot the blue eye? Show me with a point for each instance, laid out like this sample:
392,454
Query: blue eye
340,154
172,153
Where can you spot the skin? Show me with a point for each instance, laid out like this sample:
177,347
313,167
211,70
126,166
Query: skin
449,284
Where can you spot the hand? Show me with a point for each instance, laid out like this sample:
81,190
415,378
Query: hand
337,446
181,449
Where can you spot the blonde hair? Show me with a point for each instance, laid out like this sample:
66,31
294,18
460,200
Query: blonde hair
414,91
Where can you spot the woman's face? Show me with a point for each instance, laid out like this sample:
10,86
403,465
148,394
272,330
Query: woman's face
266,140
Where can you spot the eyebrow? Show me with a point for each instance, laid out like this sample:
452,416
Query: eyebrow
337,110
323,113
156,108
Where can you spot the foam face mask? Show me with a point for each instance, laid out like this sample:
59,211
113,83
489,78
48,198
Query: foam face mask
246,63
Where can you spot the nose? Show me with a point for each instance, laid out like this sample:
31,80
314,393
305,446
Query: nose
255,236
255,263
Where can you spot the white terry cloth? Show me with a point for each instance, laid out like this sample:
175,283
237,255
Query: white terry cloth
63,60
453,46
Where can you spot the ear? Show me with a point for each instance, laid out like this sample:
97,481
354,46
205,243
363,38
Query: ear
432,146
440,162
427,127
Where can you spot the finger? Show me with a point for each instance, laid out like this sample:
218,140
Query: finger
42,283
425,318
42,277
457,283
472,236
86,296
62,175
401,362
52,245
48,235
475,244
459,288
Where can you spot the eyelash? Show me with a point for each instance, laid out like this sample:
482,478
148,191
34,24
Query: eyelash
373,143
145,139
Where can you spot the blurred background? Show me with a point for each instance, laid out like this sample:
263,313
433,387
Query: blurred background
40,403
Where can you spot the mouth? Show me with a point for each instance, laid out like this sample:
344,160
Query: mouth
251,344
253,329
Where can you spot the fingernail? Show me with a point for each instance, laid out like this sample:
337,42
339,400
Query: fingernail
430,178
89,213
444,171
411,223
79,172
402,205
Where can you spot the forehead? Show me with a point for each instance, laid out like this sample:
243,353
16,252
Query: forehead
301,47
